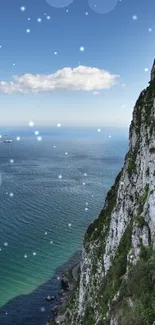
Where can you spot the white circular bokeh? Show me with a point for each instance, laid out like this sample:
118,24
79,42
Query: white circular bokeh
59,3
102,6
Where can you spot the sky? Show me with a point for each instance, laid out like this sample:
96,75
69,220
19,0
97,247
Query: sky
74,62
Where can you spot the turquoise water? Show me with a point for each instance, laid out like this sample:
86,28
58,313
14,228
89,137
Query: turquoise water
43,223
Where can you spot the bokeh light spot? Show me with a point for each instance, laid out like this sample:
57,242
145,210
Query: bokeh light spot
102,6
59,3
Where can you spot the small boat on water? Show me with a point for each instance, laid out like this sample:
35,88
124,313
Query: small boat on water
7,141
49,298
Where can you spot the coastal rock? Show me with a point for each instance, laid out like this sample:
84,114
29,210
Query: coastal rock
65,283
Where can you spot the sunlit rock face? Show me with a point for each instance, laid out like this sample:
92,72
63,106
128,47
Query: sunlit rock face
119,240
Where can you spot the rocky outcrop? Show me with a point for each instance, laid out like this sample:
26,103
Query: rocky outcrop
153,71
117,269
64,283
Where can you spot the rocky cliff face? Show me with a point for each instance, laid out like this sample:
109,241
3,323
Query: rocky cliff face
116,284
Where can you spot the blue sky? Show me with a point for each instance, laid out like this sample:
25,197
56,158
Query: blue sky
118,47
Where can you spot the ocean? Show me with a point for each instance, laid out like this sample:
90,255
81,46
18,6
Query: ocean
50,191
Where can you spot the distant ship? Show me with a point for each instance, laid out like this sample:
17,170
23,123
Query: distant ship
7,141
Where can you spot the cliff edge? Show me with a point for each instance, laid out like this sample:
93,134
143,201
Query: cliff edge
117,273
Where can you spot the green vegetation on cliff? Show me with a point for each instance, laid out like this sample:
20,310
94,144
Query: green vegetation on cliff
95,229
136,302
110,284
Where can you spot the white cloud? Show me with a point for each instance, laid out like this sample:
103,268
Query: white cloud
95,93
80,78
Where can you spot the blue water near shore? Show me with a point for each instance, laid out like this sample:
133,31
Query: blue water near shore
43,223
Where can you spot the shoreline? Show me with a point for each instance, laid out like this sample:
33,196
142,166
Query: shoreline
33,308
68,283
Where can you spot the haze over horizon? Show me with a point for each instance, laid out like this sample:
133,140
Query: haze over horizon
80,65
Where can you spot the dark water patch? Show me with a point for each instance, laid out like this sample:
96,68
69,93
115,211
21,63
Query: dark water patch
33,309
108,160
79,157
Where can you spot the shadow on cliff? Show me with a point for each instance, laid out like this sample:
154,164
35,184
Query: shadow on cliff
33,309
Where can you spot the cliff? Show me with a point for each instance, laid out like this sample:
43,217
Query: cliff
117,273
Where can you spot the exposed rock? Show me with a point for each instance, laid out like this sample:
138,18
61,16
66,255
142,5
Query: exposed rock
153,71
60,319
65,283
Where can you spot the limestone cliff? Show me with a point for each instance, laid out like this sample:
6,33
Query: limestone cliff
117,276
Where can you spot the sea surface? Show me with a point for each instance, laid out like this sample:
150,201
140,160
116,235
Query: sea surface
50,191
